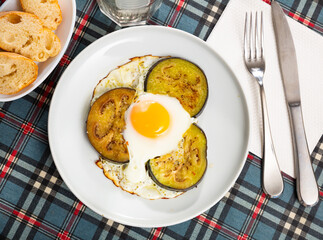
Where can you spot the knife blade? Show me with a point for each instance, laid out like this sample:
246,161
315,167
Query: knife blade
307,189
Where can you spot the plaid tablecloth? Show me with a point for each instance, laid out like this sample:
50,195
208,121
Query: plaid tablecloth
36,204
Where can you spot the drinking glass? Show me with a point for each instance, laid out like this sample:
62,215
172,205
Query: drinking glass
129,12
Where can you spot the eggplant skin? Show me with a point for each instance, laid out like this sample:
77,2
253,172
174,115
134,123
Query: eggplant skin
105,124
182,172
179,78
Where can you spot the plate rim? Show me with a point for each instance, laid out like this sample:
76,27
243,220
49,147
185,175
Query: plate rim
55,63
247,133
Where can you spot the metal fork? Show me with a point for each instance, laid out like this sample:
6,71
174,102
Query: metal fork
272,181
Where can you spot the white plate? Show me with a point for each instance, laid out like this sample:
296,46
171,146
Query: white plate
225,121
64,32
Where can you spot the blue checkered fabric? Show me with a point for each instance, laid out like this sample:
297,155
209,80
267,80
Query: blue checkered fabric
36,204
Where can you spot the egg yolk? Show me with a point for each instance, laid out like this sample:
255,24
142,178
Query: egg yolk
149,118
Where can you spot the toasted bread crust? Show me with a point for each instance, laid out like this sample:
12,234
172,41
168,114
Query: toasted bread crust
16,72
23,33
48,11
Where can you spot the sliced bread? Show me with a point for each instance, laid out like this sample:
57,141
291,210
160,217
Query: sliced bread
16,72
24,33
48,11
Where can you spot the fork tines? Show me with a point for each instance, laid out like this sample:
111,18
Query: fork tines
253,36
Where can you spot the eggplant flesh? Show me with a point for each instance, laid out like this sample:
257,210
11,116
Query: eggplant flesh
179,78
105,124
181,172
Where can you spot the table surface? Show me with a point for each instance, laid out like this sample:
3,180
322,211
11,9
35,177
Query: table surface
36,204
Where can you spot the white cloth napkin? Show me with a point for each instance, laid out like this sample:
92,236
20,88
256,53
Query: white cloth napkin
227,40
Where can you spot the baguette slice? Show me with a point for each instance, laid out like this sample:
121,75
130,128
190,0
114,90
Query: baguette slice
24,33
16,72
48,11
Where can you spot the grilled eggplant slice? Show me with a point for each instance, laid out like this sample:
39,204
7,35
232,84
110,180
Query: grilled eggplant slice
181,170
105,124
179,78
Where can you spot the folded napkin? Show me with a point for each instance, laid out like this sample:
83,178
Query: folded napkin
227,40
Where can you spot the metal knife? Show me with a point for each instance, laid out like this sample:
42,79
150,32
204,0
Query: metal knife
307,189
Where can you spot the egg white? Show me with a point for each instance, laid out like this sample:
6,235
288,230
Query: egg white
146,188
131,74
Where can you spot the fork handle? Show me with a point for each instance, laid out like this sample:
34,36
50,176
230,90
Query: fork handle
273,184
307,189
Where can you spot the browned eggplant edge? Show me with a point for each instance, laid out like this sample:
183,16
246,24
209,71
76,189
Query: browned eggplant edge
207,85
152,176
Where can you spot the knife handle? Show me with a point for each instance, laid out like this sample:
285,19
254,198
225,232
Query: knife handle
272,180
307,189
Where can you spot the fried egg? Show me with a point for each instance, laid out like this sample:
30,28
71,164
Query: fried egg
155,125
